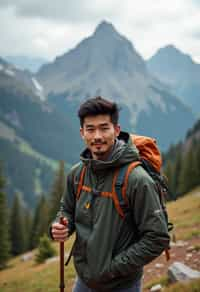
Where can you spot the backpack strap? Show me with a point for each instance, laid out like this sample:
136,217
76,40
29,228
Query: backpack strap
121,182
80,178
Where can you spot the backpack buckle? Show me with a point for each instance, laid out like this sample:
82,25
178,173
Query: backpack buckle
96,193
118,184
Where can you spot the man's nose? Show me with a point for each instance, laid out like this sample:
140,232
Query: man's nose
97,134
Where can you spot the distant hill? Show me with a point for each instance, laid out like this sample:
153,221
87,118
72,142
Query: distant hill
179,72
35,120
27,172
26,63
33,135
107,64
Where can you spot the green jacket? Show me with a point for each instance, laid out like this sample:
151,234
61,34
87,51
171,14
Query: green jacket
109,251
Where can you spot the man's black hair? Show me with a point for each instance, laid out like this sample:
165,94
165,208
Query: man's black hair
98,106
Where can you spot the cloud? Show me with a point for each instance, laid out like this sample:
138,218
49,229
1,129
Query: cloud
49,28
60,11
36,37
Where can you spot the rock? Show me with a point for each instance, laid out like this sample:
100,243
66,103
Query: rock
159,266
181,243
189,255
51,260
178,272
190,248
26,257
156,288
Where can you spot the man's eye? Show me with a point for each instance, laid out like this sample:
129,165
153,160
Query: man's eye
104,129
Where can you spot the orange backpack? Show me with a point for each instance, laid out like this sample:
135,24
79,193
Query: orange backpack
151,161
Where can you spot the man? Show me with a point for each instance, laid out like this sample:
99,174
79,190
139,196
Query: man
109,251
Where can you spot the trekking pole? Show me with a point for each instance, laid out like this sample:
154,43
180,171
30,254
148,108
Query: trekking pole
62,281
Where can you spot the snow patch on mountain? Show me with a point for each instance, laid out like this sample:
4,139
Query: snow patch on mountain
9,72
39,89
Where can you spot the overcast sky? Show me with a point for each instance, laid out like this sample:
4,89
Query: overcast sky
43,28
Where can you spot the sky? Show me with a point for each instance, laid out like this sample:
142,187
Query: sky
43,28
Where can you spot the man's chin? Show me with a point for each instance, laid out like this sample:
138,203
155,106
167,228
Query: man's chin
99,153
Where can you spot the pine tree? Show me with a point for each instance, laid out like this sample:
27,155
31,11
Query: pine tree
17,233
45,250
4,232
194,171
40,222
176,173
187,179
169,173
198,163
27,227
57,191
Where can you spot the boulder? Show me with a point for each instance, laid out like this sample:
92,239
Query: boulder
156,288
26,257
179,272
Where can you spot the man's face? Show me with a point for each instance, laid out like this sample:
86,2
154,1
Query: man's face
99,134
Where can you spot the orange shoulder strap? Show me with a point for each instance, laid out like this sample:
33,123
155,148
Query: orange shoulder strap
80,183
125,184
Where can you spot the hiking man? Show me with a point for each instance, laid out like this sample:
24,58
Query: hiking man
110,249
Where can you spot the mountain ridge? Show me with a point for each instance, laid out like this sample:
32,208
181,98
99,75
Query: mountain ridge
179,72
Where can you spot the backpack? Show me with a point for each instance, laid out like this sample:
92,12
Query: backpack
151,161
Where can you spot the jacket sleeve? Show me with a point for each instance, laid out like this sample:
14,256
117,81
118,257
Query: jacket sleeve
150,223
67,204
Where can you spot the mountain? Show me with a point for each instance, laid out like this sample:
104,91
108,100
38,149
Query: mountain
35,120
33,135
9,71
107,64
26,63
179,72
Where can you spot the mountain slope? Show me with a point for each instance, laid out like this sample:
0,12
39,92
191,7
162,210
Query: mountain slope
36,121
33,136
107,64
179,72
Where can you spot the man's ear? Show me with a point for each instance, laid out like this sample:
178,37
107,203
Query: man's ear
82,133
117,130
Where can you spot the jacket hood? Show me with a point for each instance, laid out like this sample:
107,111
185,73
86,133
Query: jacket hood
123,152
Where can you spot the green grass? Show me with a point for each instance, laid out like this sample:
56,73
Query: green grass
27,149
164,281
193,286
31,277
185,214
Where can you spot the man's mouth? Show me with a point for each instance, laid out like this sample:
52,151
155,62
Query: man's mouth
98,144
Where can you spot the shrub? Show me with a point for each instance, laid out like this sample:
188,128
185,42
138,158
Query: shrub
45,250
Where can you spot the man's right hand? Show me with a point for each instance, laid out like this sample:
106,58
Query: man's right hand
60,232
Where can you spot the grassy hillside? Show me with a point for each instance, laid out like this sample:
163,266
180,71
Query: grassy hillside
27,276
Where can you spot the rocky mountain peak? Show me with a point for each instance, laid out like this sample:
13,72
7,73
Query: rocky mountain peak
105,27
176,56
